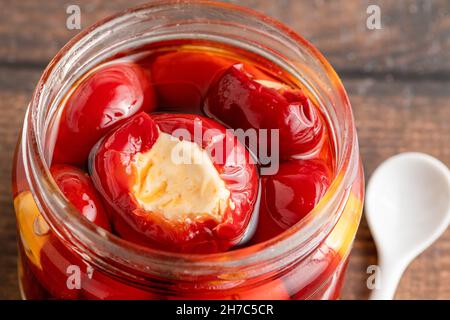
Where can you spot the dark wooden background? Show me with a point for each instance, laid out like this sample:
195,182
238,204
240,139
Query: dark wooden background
398,79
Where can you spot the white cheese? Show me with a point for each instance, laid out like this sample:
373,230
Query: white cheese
178,180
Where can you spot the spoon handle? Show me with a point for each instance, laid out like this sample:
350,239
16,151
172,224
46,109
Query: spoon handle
387,281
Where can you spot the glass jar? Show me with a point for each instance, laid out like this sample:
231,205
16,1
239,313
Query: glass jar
64,256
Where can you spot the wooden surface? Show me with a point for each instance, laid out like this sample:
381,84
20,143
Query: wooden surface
398,79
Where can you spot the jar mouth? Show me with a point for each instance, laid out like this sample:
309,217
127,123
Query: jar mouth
99,246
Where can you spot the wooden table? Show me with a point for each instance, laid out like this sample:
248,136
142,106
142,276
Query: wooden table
398,79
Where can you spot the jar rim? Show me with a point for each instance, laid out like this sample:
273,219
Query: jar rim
299,238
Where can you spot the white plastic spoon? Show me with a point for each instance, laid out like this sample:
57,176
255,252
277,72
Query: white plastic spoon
407,208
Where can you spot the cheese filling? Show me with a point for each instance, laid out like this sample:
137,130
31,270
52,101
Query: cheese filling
178,180
272,84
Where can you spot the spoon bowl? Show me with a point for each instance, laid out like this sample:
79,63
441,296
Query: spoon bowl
407,209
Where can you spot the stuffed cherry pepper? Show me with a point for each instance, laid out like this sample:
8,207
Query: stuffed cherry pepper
177,182
243,97
102,101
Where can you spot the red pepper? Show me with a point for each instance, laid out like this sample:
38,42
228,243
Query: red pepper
290,195
240,99
77,186
265,290
99,103
115,175
61,268
58,265
182,78
99,286
66,276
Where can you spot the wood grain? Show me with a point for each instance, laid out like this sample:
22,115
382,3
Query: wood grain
397,78
415,34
